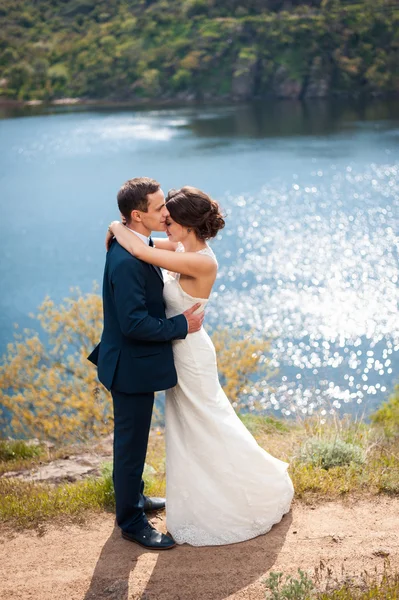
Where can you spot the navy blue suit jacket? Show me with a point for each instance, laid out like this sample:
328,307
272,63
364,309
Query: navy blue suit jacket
135,352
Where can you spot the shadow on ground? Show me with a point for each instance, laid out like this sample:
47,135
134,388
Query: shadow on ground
127,571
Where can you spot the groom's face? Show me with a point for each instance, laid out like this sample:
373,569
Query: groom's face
154,218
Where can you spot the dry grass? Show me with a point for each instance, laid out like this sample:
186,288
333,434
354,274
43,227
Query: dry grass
26,504
29,504
16,455
325,585
379,473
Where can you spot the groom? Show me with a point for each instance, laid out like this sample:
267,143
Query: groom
134,357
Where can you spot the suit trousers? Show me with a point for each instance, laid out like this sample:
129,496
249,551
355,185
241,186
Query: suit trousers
132,421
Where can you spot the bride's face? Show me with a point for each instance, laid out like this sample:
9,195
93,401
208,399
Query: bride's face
174,231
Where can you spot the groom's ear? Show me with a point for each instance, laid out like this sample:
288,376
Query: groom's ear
135,216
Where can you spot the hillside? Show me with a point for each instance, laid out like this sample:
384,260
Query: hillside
131,50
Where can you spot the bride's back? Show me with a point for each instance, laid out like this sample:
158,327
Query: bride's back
197,287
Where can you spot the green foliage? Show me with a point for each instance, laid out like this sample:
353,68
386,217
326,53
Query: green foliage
387,415
348,587
163,48
329,454
18,449
288,588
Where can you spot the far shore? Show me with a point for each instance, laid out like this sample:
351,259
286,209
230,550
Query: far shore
184,100
133,102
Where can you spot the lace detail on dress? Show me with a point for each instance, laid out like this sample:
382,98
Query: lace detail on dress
209,252
180,248
186,533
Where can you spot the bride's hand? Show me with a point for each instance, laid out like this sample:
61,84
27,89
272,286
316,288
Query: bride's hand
110,236
127,239
108,239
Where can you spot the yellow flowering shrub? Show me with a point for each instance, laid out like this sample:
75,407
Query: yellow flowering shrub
243,366
48,386
51,391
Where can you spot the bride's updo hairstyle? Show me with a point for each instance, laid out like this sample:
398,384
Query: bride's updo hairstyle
196,210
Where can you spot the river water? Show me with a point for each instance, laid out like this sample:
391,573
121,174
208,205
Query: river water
309,255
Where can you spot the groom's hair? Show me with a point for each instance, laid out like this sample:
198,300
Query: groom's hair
133,195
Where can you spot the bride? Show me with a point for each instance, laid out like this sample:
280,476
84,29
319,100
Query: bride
221,486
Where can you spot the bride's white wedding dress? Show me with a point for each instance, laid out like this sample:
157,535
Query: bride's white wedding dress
221,486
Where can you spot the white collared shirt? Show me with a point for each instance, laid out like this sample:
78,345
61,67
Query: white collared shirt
145,239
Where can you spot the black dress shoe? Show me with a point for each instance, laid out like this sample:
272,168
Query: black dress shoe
154,504
150,538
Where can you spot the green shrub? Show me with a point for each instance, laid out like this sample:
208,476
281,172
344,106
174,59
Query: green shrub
290,588
388,415
329,454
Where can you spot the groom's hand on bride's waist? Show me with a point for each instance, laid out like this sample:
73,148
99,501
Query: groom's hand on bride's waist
194,322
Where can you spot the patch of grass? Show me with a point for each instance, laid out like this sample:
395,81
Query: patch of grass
17,455
327,587
312,482
18,450
26,504
332,427
261,425
379,474
372,459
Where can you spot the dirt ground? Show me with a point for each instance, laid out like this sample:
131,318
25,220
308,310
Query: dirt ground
92,562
